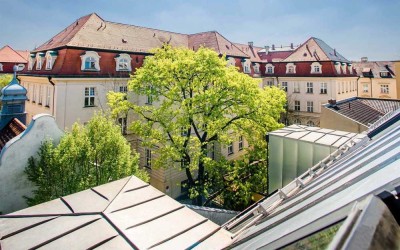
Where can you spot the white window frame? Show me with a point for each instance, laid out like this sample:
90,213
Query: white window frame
310,88
123,62
34,93
90,97
310,106
384,88
337,67
39,61
95,59
269,68
297,105
324,88
290,68
241,143
296,87
365,88
48,96
256,68
246,66
50,59
147,158
284,86
31,62
316,68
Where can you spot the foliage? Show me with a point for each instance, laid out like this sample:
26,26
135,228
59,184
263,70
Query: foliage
4,80
198,101
87,156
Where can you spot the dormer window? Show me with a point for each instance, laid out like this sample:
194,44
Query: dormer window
256,68
230,61
350,68
316,68
344,68
90,61
270,68
290,68
1,67
31,61
123,62
246,66
50,59
337,67
39,60
384,74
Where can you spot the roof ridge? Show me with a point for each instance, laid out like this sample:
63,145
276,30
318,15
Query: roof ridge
216,39
232,43
133,25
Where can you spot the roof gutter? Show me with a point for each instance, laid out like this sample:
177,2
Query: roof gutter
54,91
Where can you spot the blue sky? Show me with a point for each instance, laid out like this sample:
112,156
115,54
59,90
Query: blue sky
355,28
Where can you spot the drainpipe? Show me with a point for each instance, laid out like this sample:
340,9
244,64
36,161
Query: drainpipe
358,93
54,91
370,79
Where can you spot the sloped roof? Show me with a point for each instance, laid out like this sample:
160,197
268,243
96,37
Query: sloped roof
337,191
364,110
375,67
123,214
251,51
315,49
7,54
11,130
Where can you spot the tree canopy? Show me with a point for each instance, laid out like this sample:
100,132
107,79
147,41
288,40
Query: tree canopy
87,156
198,101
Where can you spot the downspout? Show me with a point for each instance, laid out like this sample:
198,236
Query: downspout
370,79
54,91
358,93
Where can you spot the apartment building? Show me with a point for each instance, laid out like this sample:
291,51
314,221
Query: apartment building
377,79
69,76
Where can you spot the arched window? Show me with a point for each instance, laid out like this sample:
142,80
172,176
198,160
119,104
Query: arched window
39,60
123,62
270,68
90,61
290,68
316,68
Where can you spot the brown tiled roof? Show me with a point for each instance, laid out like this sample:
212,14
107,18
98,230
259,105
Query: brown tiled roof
315,49
375,67
24,54
365,110
7,54
251,51
11,130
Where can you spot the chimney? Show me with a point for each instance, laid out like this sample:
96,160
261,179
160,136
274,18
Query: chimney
291,45
364,59
334,52
251,44
332,102
273,46
266,50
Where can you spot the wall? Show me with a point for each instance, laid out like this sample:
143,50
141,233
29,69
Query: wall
374,88
14,158
333,120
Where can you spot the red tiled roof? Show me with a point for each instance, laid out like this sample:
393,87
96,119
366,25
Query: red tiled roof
11,130
7,54
24,54
275,56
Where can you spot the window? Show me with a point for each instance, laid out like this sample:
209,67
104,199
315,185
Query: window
256,68
122,121
123,62
290,68
31,61
296,88
337,67
365,88
310,124
231,61
310,106
230,148
384,74
39,60
342,87
310,87
48,93
270,68
297,121
123,89
284,86
240,143
316,68
324,88
385,89
297,105
246,65
90,61
1,67
89,96
40,94
147,158
50,59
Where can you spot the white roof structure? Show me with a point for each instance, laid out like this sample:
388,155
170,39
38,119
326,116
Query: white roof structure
125,214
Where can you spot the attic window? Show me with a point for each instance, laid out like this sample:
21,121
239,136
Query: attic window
1,67
50,59
90,61
290,68
123,62
384,74
270,68
316,68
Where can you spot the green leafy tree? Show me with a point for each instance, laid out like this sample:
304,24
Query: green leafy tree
87,156
4,80
197,101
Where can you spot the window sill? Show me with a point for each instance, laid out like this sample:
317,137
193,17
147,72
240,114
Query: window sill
91,70
323,93
230,153
298,92
309,92
40,104
124,70
33,102
90,106
47,106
